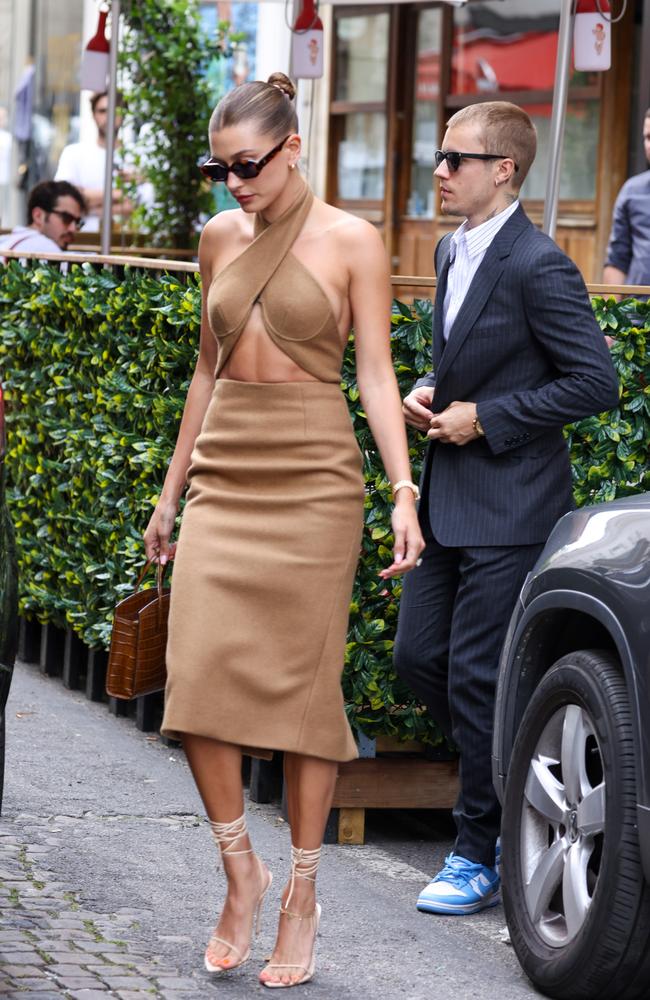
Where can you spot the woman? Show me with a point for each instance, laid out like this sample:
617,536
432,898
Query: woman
272,526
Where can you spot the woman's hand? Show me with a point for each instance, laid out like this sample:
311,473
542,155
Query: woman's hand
409,542
159,530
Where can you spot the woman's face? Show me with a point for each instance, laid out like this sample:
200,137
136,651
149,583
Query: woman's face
238,143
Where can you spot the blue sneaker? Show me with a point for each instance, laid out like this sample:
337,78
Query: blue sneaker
497,857
461,887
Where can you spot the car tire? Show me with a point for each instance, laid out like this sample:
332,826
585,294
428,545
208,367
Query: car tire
576,900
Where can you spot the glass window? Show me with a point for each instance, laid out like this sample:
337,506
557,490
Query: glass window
6,138
362,156
504,52
55,117
507,47
361,57
425,112
580,155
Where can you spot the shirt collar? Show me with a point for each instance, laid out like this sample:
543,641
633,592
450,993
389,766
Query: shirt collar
479,238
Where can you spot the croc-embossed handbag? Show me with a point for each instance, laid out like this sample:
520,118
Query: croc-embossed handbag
136,661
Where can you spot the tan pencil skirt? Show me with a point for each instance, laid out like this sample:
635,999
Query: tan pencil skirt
263,573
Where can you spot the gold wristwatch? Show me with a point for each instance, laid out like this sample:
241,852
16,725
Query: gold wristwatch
478,427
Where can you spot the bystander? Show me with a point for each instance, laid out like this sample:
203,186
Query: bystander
628,252
84,164
55,211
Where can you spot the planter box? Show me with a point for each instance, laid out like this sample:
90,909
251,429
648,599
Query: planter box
399,781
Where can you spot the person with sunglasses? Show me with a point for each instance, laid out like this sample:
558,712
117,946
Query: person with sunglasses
55,213
517,354
272,525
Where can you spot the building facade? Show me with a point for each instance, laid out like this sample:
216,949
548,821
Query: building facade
399,71
395,73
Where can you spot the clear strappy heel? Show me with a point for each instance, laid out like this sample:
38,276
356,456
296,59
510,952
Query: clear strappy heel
304,864
226,835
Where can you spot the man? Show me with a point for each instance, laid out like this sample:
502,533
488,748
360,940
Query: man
84,164
55,211
517,354
628,253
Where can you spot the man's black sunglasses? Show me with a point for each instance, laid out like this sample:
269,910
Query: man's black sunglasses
67,218
454,159
245,169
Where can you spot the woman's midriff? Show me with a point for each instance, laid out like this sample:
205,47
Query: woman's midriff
255,357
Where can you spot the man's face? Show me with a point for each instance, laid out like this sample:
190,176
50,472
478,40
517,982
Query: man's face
470,189
61,223
99,114
646,138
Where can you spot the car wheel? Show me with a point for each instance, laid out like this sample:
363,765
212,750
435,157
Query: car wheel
575,898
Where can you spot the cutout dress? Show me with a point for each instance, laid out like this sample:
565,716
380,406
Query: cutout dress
271,529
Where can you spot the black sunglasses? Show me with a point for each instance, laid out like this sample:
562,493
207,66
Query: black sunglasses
67,218
245,169
454,159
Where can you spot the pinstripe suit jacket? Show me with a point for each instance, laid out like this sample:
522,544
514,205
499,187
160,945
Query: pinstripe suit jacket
527,349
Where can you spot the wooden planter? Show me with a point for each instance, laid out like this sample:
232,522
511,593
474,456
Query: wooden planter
397,777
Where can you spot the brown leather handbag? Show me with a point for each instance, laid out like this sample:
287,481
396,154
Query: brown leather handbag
136,661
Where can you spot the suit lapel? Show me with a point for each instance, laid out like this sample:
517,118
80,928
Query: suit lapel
479,291
438,321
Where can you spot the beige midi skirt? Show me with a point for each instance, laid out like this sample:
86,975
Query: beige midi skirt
263,574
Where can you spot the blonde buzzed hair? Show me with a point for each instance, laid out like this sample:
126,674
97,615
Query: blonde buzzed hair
505,129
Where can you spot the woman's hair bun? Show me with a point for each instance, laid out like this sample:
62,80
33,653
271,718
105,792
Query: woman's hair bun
283,83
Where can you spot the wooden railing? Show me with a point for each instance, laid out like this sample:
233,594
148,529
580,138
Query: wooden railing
165,264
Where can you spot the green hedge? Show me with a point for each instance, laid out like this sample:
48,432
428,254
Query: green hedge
96,363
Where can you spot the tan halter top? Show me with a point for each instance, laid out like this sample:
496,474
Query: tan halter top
297,314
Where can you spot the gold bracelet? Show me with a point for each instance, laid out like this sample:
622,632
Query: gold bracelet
478,427
409,485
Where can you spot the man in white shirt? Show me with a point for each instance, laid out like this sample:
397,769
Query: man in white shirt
84,163
55,210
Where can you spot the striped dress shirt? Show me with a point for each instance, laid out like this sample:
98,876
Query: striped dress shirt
466,251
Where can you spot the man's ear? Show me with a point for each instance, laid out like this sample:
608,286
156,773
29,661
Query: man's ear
505,171
38,217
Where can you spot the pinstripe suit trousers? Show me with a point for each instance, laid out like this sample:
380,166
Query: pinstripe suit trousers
454,613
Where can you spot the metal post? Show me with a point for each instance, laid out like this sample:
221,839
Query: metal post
558,119
107,208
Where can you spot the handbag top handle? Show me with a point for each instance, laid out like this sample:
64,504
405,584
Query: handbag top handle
160,575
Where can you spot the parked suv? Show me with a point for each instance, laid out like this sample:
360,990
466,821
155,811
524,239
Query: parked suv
8,598
571,758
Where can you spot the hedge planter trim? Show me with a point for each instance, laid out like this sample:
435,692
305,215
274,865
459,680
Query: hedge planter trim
96,364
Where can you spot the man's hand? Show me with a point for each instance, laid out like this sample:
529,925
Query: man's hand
417,408
455,425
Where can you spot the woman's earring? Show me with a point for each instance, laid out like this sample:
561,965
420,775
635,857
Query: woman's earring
292,166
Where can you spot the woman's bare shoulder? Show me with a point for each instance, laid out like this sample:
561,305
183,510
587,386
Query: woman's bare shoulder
356,242
223,232
350,231
229,222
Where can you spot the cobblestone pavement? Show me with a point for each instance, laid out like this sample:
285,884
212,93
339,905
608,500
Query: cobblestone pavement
109,884
52,947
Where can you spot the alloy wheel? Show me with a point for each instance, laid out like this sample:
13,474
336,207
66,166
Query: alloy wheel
563,824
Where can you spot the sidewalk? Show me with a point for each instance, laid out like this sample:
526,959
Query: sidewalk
109,884
51,947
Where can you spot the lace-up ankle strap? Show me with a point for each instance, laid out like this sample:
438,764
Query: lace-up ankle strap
226,835
304,864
